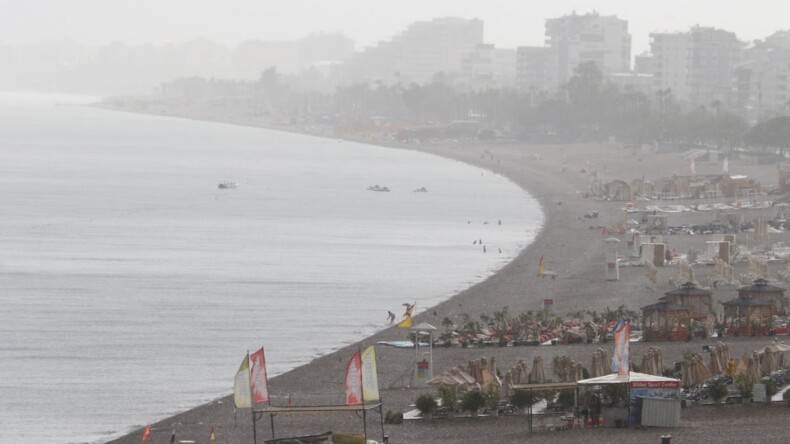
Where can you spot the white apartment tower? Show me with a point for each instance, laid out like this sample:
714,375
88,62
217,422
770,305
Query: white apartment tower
670,64
576,39
420,52
713,54
762,80
696,67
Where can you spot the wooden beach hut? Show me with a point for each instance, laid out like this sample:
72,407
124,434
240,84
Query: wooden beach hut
762,290
666,321
748,316
688,294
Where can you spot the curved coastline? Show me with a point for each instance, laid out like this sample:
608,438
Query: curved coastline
572,246
467,154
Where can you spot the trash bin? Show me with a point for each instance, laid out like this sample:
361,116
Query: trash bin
665,439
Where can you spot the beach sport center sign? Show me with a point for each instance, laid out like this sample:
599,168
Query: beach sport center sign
655,384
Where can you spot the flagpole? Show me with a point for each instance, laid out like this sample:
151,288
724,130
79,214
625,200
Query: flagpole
252,403
362,392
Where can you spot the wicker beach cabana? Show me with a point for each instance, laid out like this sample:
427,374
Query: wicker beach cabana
666,321
689,294
762,290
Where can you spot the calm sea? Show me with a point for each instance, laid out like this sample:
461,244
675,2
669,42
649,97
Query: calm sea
131,286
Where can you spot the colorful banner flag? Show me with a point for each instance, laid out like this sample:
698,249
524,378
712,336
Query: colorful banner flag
370,377
406,323
354,381
212,436
258,381
692,166
146,433
242,395
621,358
541,269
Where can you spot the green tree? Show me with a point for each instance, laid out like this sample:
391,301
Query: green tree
449,397
472,401
744,385
426,405
717,390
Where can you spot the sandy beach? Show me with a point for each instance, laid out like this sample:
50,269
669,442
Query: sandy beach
573,248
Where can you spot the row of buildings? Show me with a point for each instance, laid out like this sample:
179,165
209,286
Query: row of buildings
751,313
701,67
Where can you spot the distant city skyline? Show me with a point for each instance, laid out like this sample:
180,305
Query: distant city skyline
507,24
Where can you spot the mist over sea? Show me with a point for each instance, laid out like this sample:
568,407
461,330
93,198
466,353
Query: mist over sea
131,286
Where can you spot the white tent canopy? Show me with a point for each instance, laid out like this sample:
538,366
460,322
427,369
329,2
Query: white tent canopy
614,378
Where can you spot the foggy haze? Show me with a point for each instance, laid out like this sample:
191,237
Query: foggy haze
508,24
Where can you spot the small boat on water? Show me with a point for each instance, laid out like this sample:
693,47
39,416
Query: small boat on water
421,190
228,185
378,188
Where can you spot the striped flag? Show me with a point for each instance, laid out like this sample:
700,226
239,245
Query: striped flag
242,395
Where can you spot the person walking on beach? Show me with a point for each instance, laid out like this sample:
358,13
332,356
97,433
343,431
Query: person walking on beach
390,316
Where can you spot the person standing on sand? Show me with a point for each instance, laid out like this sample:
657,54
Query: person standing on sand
390,316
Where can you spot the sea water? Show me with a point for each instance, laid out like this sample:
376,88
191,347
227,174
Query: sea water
131,286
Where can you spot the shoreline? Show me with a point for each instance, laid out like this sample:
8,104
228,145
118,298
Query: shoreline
573,248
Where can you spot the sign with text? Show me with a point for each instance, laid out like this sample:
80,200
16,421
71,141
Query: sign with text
655,384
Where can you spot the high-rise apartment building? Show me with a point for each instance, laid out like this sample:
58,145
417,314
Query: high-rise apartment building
576,39
713,55
696,67
762,80
670,64
532,68
418,53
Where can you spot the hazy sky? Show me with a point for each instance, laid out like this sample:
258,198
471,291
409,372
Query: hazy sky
507,23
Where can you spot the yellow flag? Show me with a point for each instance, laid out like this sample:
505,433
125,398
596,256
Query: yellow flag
406,323
242,395
370,378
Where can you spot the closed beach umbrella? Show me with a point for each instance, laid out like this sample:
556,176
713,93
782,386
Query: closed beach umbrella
537,375
767,362
715,364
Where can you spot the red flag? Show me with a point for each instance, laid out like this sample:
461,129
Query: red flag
146,433
258,381
354,380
